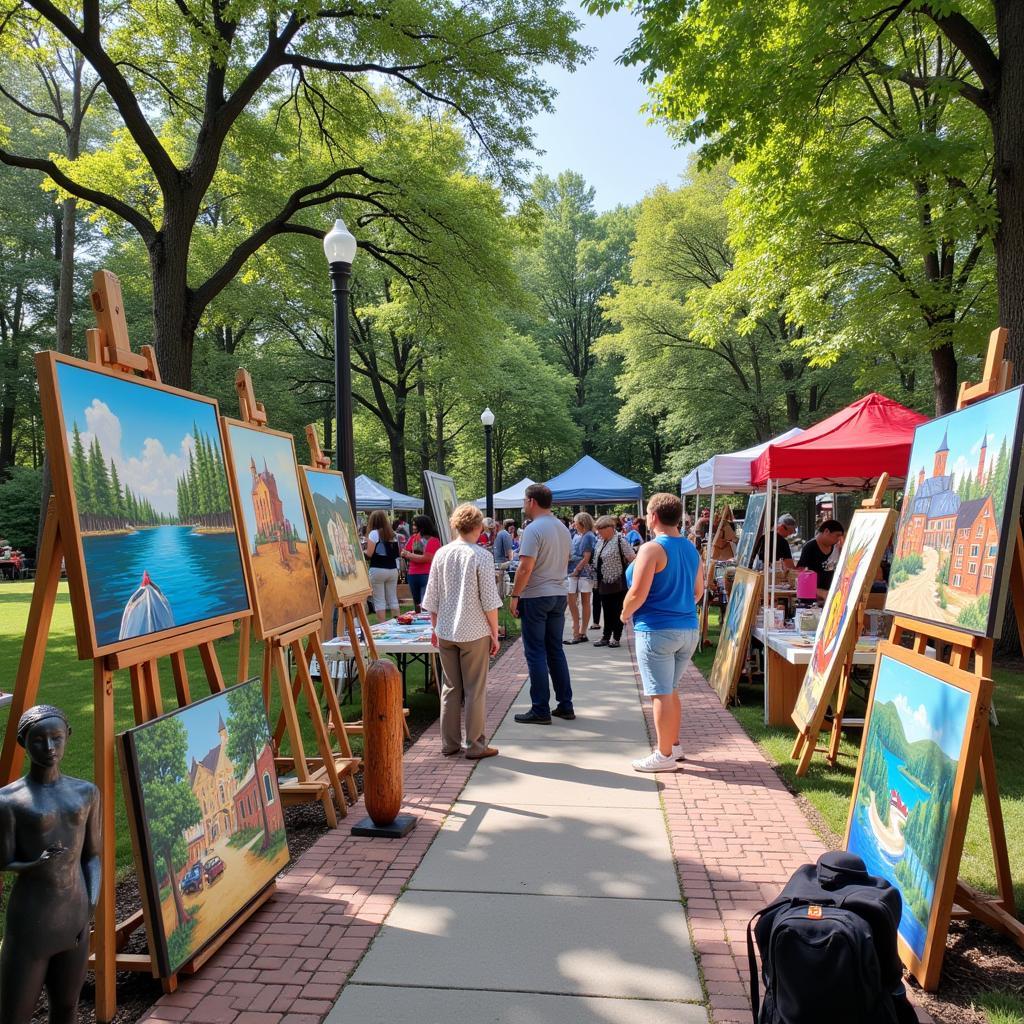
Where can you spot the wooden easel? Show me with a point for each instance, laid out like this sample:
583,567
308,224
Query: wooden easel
974,654
806,742
109,348
333,772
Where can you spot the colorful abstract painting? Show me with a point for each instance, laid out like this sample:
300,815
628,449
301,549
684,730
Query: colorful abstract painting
207,816
958,521
863,547
149,489
734,637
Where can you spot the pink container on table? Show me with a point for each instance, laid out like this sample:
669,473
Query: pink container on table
807,586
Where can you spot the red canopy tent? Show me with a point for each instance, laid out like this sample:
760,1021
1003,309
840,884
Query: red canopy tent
847,451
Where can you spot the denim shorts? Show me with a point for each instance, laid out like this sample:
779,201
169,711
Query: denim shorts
662,655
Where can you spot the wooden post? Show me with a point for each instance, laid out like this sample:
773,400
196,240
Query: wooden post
382,776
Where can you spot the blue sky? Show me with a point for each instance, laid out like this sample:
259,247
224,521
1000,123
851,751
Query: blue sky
201,722
280,460
993,419
928,708
146,432
598,129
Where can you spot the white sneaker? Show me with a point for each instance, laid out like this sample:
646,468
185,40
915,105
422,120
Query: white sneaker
677,752
655,761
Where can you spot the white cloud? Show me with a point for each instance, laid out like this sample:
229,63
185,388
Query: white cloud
915,721
962,467
153,474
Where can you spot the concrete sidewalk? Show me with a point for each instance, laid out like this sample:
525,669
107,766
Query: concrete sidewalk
550,895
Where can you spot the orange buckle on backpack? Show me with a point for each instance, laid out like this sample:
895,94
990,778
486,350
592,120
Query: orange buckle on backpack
814,911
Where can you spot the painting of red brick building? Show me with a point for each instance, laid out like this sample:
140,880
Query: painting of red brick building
954,532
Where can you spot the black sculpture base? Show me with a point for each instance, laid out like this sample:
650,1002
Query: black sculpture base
401,826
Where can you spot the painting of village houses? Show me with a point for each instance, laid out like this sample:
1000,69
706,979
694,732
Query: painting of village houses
278,551
152,506
210,834
957,523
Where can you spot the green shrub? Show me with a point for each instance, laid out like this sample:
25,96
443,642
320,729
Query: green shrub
1002,1008
909,565
975,615
19,508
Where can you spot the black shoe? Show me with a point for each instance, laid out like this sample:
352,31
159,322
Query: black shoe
569,715
531,718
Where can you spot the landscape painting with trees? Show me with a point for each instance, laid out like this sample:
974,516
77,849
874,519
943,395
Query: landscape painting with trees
150,490
908,785
956,526
210,834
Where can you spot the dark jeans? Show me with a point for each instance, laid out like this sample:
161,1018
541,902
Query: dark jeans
543,622
596,604
612,605
417,586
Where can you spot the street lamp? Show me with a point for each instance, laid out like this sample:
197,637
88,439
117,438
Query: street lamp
340,250
487,419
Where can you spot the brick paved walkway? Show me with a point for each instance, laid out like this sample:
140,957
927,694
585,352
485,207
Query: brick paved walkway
737,836
288,964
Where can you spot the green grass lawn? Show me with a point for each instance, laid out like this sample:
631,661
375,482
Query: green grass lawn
67,682
829,789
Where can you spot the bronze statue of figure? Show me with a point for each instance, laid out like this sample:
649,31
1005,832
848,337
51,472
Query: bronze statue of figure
50,840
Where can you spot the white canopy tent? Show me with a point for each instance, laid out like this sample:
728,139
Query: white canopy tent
510,497
729,473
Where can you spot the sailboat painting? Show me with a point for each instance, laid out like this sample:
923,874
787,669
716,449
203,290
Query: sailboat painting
145,476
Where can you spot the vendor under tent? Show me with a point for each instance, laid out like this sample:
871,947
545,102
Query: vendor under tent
590,483
371,495
847,451
510,497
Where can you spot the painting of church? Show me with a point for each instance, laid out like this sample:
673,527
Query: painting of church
267,505
955,526
213,783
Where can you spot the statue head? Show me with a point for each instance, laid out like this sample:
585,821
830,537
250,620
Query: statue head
43,731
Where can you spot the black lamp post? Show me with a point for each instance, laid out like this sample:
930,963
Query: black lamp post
487,419
340,250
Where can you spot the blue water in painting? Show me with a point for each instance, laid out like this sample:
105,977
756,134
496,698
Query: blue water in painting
878,862
200,574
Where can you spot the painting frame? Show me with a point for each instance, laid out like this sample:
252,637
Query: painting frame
819,682
753,527
914,521
728,664
89,643
340,595
441,493
143,824
926,967
268,625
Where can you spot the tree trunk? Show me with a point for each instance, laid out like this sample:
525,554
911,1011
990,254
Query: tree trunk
179,903
174,326
421,394
944,376
399,477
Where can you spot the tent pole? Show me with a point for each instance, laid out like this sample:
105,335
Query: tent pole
766,597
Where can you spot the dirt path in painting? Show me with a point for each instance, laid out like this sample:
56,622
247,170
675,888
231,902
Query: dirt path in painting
244,874
287,593
916,596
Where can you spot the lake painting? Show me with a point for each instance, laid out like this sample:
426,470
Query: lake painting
151,499
900,820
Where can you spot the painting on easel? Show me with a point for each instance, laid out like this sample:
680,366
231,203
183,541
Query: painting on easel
206,815
143,469
753,527
273,523
863,547
735,634
336,535
912,794
958,521
441,492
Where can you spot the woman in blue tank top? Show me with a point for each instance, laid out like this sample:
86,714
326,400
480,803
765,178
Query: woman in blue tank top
665,583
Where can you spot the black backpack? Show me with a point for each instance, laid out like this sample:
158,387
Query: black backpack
828,949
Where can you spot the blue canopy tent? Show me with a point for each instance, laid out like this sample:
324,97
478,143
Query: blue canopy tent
372,495
590,483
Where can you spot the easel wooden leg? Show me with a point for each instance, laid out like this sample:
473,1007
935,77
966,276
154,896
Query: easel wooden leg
367,632
996,828
211,665
180,672
33,648
842,697
323,741
104,935
333,710
244,637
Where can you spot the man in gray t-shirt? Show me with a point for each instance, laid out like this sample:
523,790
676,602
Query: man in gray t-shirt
538,600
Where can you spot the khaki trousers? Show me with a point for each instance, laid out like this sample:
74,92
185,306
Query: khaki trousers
465,666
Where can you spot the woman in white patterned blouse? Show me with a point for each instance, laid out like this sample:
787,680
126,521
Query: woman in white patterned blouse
463,602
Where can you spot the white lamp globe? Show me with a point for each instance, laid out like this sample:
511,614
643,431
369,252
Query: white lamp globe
339,244
487,418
